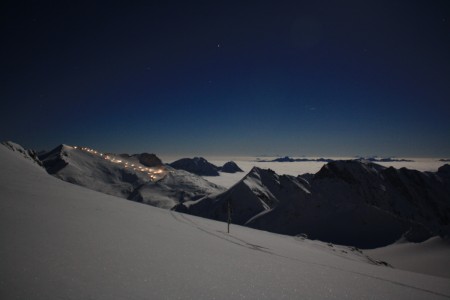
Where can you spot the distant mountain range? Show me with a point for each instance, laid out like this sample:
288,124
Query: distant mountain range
290,159
372,159
353,202
385,159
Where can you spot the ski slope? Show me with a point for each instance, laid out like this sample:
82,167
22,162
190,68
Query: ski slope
62,241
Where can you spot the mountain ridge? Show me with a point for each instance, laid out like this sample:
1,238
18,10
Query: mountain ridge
126,176
200,166
350,202
365,202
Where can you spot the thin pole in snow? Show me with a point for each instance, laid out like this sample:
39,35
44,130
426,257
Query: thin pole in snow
229,216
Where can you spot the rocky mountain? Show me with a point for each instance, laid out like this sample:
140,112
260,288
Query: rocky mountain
290,159
230,167
196,165
139,177
201,167
146,159
355,203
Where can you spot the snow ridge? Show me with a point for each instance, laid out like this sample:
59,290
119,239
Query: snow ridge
28,154
200,166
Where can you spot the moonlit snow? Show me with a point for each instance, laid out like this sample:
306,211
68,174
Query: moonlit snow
125,176
62,241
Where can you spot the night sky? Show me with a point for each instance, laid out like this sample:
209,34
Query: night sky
336,78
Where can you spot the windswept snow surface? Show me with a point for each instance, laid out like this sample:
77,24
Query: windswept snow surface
429,257
62,241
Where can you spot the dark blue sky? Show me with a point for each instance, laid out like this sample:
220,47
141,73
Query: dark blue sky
228,78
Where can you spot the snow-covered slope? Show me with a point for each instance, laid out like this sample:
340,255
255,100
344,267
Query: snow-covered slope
429,257
175,187
62,241
136,177
347,202
28,154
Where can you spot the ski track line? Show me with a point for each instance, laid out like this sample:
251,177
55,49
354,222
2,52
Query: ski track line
244,244
247,245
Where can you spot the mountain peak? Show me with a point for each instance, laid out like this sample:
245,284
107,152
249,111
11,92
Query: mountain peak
445,169
259,173
349,170
196,165
149,160
231,167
